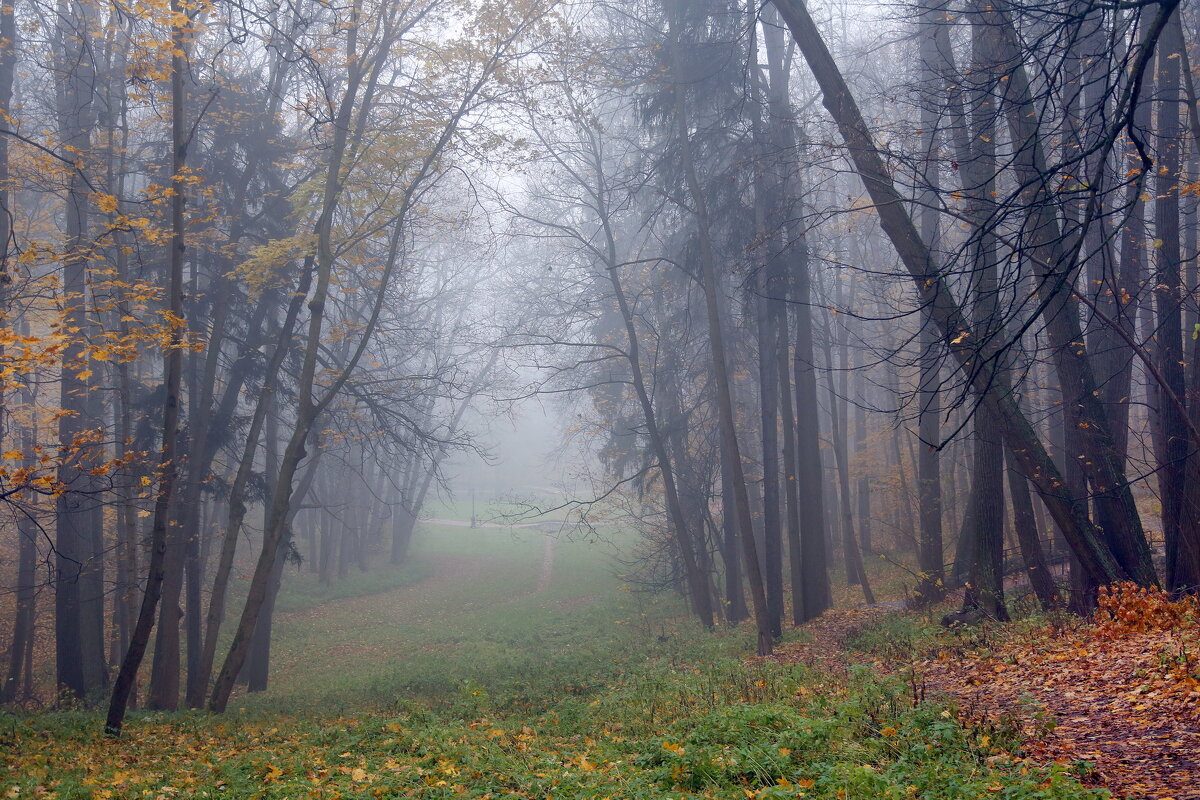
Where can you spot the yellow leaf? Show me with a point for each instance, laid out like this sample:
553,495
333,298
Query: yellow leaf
15,455
107,203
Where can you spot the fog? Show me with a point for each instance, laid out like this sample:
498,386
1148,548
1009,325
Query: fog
771,301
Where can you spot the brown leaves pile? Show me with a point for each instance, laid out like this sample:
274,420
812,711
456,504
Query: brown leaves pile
1121,694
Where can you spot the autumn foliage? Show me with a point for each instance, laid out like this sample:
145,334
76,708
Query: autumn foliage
1126,608
1117,697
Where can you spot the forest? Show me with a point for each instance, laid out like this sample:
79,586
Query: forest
599,398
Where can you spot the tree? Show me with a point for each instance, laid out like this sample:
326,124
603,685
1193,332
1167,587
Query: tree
1094,554
161,537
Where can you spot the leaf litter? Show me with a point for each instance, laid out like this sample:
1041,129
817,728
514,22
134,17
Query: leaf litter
1116,699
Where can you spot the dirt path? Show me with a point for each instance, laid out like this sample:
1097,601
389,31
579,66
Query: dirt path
825,645
548,528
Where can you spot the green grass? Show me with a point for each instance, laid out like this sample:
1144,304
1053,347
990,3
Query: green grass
476,620
689,721
458,677
303,590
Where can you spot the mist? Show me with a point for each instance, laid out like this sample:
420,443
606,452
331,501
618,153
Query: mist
335,335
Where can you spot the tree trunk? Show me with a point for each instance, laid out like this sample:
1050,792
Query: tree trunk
1056,267
985,587
236,512
810,575
930,559
791,484
173,373
1025,525
78,597
26,589
735,595
257,667
717,342
1172,440
768,393
862,490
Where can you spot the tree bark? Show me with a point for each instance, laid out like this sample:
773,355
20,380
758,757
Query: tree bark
768,285
26,589
810,558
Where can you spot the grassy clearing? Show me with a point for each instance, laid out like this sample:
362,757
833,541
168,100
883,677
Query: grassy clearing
471,683
303,590
476,622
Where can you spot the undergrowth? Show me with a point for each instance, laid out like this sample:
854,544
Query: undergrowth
483,688
691,721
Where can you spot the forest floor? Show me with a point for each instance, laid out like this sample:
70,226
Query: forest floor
499,665
1121,696
1118,699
